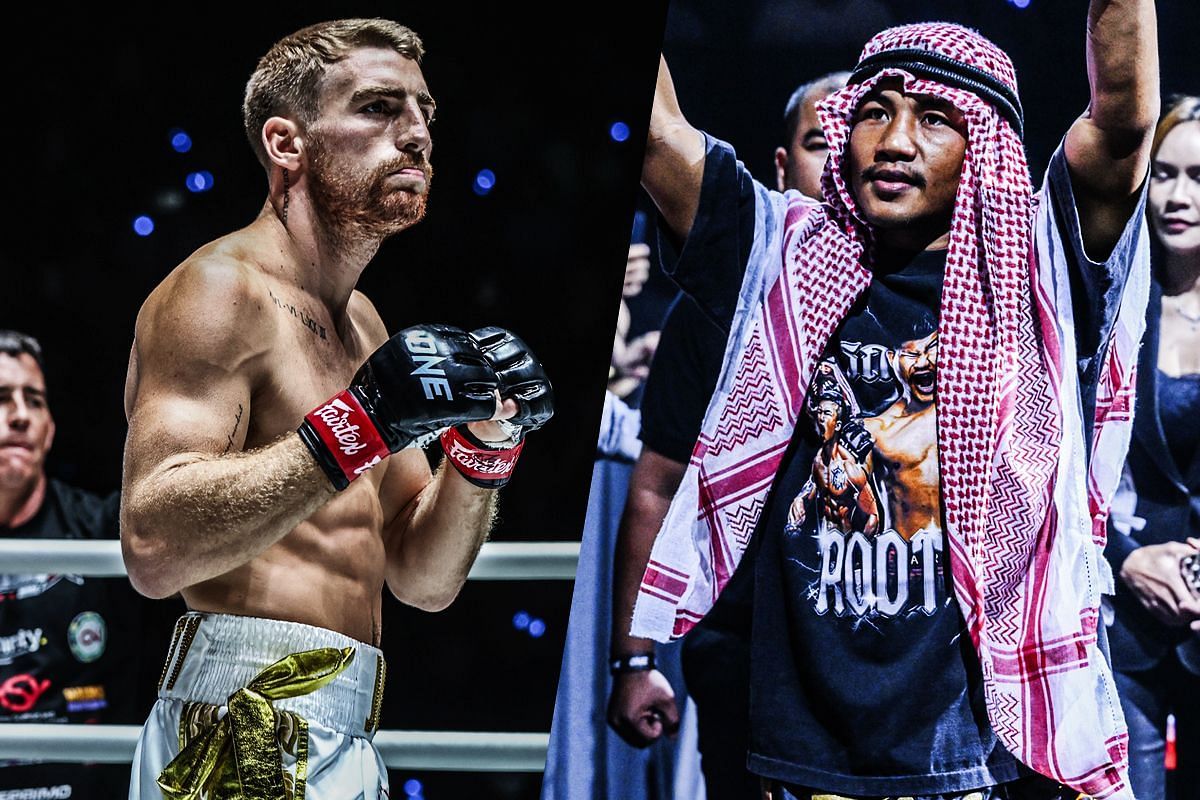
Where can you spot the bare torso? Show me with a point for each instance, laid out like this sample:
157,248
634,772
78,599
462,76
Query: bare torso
906,446
329,570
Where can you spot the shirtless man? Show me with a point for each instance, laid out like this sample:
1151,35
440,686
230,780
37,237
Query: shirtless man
904,439
843,468
280,540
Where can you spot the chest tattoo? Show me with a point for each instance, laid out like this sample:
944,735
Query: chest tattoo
316,328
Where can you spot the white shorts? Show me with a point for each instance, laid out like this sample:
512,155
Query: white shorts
212,656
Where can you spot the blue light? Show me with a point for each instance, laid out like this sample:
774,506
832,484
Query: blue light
619,131
1020,3
200,181
180,141
412,787
484,181
537,628
143,226
521,620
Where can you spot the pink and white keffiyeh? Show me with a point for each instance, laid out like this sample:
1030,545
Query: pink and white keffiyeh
1025,518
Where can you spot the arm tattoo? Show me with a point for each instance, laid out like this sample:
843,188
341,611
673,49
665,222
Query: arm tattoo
236,422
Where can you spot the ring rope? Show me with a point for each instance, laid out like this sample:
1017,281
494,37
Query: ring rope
497,561
426,750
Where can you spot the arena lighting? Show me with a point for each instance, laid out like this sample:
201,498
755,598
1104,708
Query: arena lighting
143,226
537,628
180,141
1020,3
485,179
200,181
521,620
619,131
412,787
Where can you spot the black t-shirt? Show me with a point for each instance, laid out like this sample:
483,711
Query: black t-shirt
869,658
68,646
1178,402
682,377
864,681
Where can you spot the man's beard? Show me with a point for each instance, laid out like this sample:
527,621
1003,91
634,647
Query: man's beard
360,203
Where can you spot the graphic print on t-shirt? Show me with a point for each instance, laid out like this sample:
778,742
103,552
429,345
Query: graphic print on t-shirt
871,498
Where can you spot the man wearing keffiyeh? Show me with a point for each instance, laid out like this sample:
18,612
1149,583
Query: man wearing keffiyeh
962,656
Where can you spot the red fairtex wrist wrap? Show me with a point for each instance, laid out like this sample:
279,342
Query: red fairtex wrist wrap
478,462
348,435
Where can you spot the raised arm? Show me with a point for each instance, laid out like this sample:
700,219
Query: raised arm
195,506
674,163
1108,148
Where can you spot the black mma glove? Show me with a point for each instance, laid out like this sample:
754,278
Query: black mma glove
858,440
521,379
421,381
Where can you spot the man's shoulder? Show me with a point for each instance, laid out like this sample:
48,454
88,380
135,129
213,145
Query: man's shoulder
223,269
217,295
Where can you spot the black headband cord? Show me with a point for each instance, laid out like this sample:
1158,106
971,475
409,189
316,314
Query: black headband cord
943,69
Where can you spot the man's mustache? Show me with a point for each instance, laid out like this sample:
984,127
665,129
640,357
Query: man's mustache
889,173
408,161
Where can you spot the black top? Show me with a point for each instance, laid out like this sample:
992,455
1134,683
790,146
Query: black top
1179,405
864,680
682,378
68,644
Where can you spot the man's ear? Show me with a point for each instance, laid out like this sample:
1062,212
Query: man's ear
284,141
781,161
50,431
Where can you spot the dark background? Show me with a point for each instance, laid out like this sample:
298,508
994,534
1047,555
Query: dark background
531,96
736,64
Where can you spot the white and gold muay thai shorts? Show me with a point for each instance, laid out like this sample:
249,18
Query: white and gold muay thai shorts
259,708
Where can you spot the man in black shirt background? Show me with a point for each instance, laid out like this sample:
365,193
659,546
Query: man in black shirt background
64,656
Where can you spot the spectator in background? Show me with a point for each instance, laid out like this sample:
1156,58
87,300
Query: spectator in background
631,358
65,650
1156,657
716,654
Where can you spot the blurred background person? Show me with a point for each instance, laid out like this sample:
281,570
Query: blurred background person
68,651
1154,640
715,655
631,357
645,697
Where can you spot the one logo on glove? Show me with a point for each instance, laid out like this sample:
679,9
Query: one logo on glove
423,348
336,416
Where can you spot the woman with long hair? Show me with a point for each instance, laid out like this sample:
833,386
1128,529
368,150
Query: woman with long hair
1156,516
